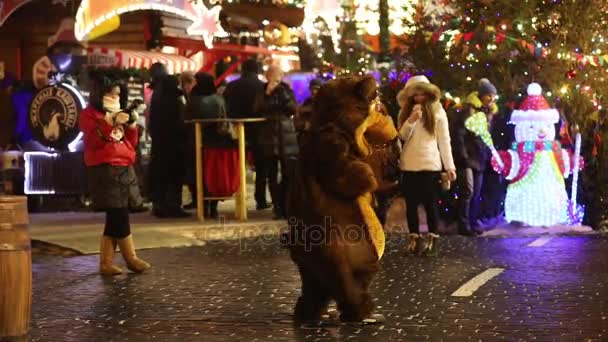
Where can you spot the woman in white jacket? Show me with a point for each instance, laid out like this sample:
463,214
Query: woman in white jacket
423,128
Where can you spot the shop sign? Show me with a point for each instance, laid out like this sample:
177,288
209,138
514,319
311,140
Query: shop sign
102,59
53,115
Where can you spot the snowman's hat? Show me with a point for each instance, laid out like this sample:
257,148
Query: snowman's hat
535,108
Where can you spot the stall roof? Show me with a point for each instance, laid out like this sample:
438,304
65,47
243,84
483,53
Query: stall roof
103,57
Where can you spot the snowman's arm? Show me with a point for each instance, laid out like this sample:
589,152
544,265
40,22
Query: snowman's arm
511,166
568,160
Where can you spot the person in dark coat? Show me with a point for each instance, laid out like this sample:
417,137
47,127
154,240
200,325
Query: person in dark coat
205,103
471,156
304,114
167,130
494,188
277,138
240,96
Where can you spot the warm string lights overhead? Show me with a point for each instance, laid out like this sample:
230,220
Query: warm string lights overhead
321,18
539,38
401,17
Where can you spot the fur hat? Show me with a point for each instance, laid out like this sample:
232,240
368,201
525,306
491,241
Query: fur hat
420,83
486,87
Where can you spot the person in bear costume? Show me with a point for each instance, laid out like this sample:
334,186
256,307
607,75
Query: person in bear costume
334,237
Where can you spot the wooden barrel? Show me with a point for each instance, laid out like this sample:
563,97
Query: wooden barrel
15,267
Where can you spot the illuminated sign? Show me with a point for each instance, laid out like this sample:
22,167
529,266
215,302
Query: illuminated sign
53,115
92,14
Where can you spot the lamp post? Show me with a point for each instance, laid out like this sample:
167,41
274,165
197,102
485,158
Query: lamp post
383,23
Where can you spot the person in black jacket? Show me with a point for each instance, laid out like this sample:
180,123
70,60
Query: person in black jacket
304,114
277,138
167,131
471,156
205,103
494,188
240,96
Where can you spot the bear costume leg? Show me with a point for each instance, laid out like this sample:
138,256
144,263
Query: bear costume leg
314,299
339,281
350,288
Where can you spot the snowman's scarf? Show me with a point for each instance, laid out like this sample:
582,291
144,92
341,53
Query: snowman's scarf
526,151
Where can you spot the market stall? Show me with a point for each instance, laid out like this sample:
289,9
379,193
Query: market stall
54,116
127,59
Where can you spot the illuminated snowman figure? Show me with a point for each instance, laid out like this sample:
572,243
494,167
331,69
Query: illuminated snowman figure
536,165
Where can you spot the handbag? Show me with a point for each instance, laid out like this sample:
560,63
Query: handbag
225,128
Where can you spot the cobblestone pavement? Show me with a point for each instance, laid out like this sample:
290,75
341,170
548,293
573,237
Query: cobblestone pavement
231,291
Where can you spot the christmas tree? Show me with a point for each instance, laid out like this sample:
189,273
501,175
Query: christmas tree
560,44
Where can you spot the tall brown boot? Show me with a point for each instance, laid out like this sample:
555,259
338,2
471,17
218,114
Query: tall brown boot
413,245
106,254
127,249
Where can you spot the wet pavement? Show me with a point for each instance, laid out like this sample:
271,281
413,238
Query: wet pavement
245,291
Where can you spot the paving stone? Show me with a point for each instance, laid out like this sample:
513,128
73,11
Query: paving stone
245,291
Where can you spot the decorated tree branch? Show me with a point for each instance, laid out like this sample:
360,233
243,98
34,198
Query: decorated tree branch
514,43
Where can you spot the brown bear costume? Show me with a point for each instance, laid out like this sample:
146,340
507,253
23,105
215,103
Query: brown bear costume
335,238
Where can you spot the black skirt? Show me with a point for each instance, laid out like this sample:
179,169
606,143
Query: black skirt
113,187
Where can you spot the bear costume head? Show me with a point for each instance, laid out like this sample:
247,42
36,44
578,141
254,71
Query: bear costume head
352,105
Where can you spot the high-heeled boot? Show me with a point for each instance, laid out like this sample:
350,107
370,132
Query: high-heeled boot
413,245
127,249
106,255
432,245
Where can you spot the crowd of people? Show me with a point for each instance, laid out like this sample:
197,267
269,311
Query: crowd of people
433,149
273,143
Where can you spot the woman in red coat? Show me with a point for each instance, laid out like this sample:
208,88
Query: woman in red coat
110,137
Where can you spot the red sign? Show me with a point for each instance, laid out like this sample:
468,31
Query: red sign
7,7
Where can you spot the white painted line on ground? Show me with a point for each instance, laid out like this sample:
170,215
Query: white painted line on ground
541,241
474,284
